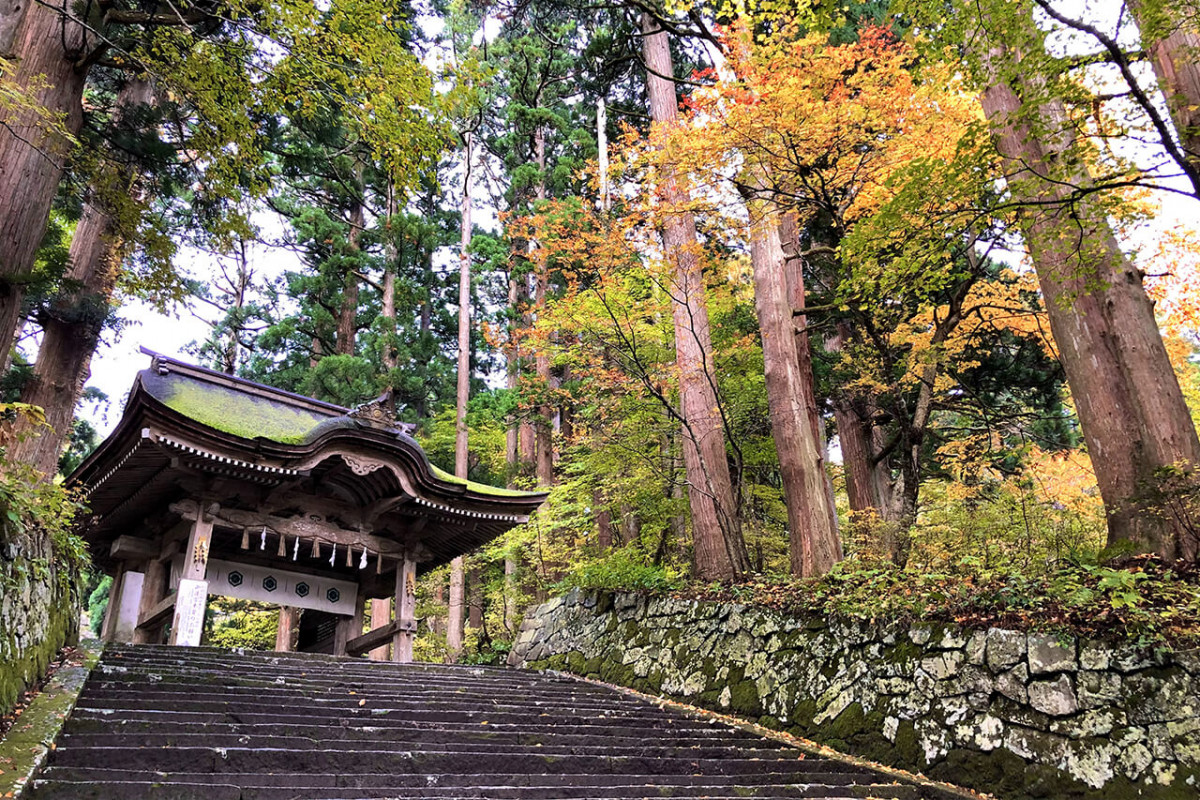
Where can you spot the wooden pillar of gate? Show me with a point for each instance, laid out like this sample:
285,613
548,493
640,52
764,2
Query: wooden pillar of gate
191,596
349,627
381,614
288,630
406,607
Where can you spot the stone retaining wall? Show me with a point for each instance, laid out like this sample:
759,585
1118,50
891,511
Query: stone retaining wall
39,614
1019,715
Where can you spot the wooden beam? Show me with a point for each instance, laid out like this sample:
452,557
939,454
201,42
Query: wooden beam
378,637
131,548
157,614
304,527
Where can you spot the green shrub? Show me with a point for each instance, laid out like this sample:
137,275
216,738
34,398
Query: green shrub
626,569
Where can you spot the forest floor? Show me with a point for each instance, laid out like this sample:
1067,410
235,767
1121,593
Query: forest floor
1144,600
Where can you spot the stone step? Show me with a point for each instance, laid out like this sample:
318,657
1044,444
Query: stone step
562,782
283,685
149,790
217,711
105,733
355,670
153,791
154,723
387,744
424,761
167,721
208,692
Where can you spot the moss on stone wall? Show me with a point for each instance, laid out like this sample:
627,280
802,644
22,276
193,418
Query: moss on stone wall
39,613
1020,715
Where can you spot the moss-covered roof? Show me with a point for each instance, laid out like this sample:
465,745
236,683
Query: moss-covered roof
474,486
231,411
252,411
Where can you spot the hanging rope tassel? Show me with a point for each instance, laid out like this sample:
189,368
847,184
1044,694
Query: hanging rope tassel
349,556
316,551
245,538
362,562
282,551
379,563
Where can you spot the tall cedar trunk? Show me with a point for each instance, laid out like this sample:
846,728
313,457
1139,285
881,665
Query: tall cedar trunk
388,311
815,546
12,14
868,484
1130,407
512,456
512,434
542,428
1173,43
719,551
454,623
71,326
527,440
70,331
32,159
348,315
789,233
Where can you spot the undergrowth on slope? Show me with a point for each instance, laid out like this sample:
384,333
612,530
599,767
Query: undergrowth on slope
1144,600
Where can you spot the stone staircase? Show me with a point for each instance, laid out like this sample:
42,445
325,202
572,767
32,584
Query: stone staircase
206,724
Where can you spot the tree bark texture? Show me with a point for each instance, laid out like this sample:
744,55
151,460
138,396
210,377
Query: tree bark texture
544,467
454,616
474,600
347,329
1172,40
815,546
1130,407
32,158
454,623
71,326
789,234
719,551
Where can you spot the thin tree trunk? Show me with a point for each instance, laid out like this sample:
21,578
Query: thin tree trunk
602,150
454,624
719,551
72,325
1130,407
604,524
815,546
32,157
475,600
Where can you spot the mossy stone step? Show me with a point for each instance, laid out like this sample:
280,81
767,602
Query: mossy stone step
205,724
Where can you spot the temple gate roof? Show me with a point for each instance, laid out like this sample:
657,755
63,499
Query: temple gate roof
284,463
